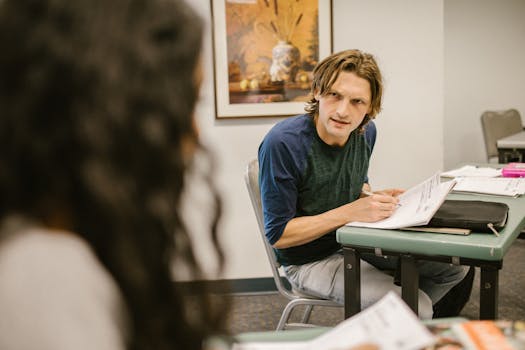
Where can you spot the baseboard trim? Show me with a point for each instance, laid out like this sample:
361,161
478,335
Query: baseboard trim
234,286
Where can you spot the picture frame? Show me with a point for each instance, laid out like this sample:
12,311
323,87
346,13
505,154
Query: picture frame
264,52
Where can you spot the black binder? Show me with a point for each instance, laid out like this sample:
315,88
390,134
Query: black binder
477,216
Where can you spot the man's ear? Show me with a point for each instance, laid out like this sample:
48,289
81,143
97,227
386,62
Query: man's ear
317,95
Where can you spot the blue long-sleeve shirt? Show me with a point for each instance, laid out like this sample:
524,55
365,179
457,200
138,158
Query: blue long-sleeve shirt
300,175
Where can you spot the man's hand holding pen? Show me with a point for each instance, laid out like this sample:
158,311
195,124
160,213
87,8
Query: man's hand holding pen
375,206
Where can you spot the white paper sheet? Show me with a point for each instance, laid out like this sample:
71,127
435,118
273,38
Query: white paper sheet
417,205
472,171
502,186
271,346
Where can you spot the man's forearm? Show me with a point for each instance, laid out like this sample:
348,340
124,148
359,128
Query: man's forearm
305,229
371,208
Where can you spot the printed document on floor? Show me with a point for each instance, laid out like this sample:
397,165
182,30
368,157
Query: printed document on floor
389,324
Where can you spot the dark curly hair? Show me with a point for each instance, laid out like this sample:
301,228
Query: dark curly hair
96,114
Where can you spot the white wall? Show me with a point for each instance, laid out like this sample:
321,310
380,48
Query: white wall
484,70
444,62
406,36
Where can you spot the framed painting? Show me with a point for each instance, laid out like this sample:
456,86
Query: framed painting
264,54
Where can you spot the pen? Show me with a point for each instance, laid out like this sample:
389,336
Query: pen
368,193
491,226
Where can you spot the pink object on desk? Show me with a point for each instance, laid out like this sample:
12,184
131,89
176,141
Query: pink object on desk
513,170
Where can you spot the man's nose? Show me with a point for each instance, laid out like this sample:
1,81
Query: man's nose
343,107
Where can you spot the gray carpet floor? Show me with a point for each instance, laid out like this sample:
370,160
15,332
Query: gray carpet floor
261,311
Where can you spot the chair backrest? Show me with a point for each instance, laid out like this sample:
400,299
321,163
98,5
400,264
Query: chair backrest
499,124
252,183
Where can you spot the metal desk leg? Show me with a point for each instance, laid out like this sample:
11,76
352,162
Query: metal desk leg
352,281
409,282
488,296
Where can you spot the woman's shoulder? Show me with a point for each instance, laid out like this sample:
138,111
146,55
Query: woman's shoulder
53,284
48,254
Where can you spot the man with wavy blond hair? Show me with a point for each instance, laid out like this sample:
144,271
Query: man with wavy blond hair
314,179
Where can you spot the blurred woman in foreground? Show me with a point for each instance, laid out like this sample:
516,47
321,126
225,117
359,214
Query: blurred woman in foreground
96,121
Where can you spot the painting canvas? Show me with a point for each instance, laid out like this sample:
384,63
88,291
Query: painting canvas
265,51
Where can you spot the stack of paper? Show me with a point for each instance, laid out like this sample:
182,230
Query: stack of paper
472,171
417,205
502,186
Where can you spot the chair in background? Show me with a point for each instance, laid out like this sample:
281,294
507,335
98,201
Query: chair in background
496,125
295,299
499,124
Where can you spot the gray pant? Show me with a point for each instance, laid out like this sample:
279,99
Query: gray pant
325,278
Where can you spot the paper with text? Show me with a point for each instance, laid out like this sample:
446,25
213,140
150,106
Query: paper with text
501,186
417,205
472,171
389,324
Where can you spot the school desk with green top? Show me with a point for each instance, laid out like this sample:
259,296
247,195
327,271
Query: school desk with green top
306,334
477,249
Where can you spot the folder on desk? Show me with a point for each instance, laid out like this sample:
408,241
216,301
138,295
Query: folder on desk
477,216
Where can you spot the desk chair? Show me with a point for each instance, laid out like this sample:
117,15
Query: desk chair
295,298
496,125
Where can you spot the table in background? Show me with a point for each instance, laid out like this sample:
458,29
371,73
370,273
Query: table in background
477,249
511,148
